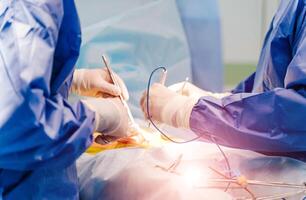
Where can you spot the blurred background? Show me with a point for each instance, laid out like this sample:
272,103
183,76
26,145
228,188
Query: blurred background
214,42
244,24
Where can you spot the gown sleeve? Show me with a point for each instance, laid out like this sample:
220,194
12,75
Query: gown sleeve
38,128
270,121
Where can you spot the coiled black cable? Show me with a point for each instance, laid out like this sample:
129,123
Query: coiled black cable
180,142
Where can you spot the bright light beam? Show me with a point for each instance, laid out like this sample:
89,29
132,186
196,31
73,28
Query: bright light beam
193,177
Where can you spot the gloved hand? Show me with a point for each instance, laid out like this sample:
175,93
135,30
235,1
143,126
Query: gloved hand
190,90
173,105
97,83
168,106
111,116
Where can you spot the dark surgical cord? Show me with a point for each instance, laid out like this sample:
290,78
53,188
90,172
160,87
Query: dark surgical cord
180,142
150,117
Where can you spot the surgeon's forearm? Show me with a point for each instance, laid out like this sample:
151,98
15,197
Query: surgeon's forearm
52,134
186,105
268,122
39,128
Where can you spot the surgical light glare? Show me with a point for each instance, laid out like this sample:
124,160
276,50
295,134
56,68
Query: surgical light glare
194,177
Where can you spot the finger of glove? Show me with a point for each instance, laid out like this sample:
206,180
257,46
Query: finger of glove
108,88
143,104
104,139
177,87
184,88
122,86
181,88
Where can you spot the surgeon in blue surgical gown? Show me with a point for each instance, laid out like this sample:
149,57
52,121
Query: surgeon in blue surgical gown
266,112
41,133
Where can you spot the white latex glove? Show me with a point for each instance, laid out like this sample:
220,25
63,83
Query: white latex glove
97,83
190,90
111,117
168,106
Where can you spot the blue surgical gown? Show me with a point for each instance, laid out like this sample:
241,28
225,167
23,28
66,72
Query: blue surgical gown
267,111
41,134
